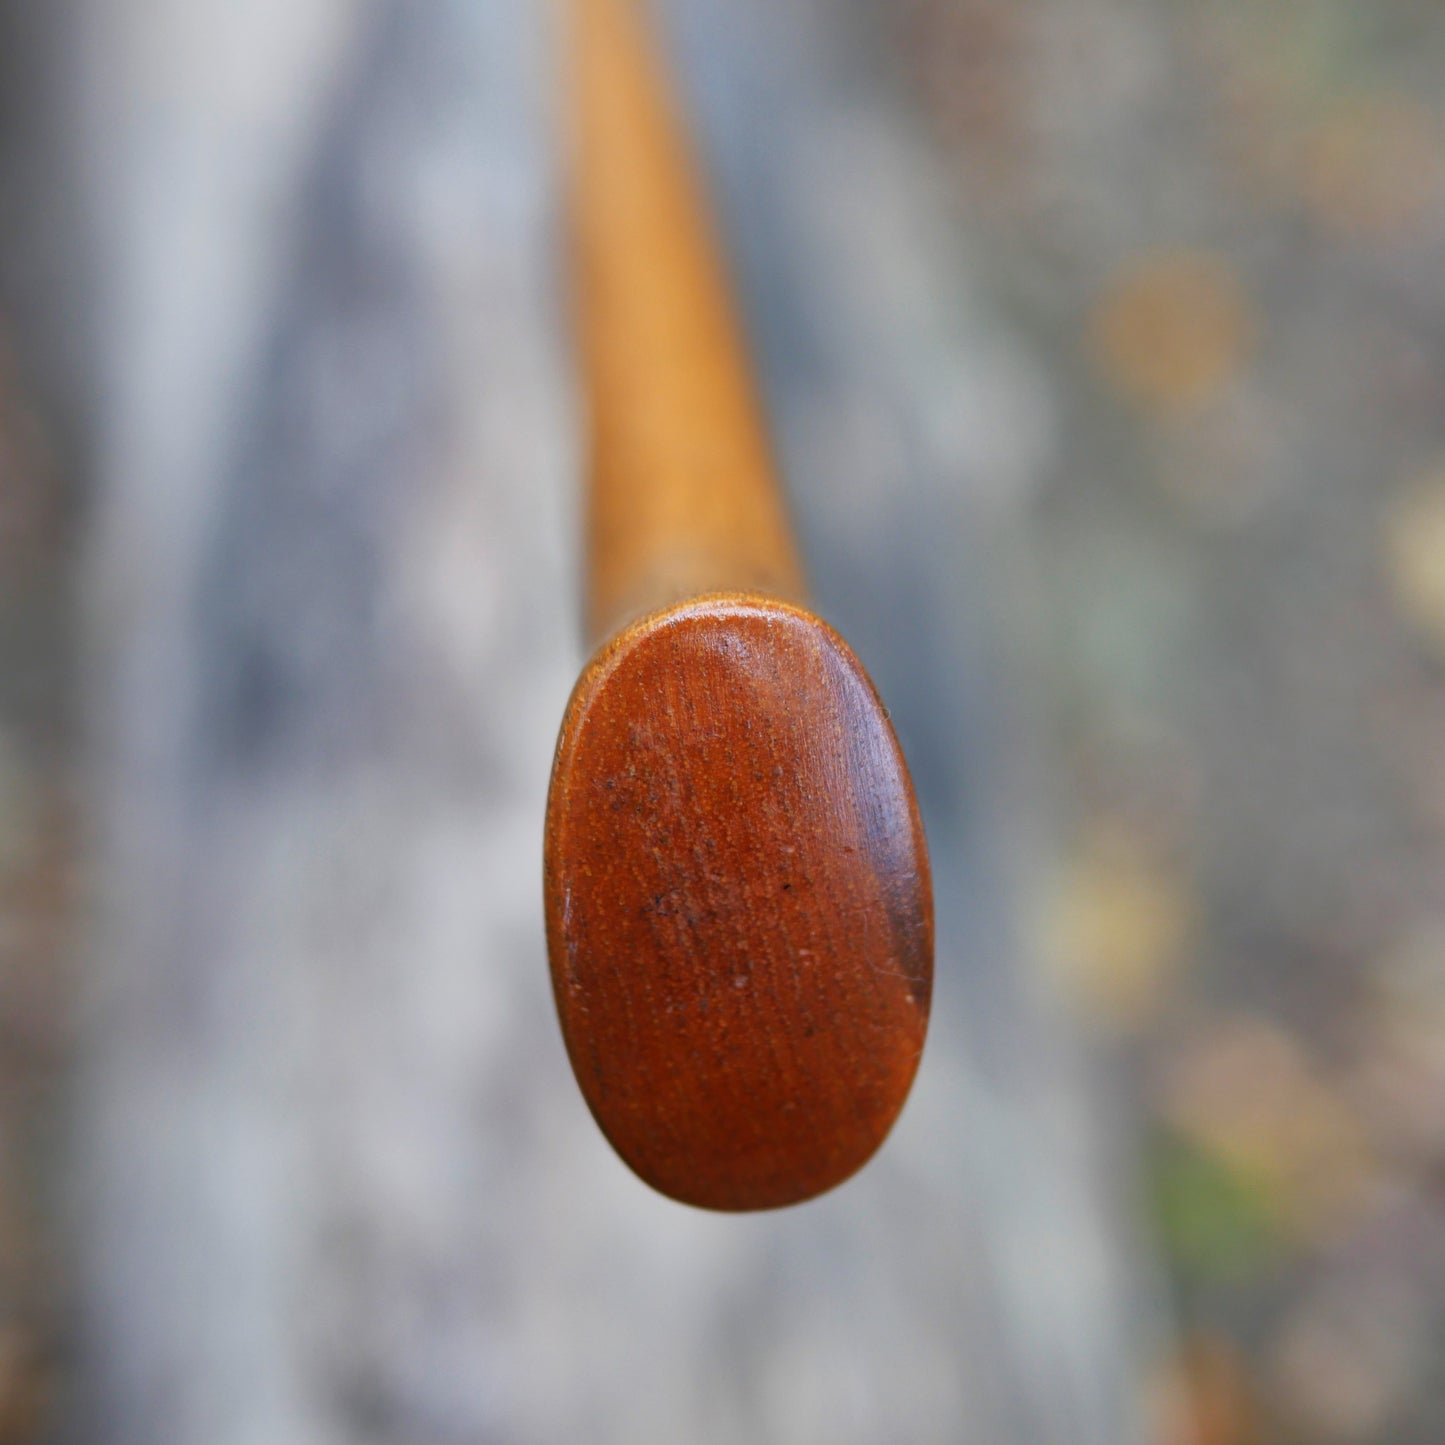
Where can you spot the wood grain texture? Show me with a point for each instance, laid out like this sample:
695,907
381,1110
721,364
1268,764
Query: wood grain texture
739,911
683,496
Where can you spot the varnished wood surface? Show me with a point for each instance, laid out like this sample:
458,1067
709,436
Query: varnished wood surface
683,497
739,911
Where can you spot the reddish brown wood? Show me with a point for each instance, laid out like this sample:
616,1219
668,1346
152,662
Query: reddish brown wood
739,913
738,908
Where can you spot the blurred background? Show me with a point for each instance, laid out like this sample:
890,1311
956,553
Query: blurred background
1104,344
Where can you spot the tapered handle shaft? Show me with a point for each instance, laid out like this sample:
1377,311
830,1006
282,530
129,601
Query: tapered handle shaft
683,496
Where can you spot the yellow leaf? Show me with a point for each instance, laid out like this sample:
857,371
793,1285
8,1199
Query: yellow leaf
1173,331
1371,168
1121,924
1415,557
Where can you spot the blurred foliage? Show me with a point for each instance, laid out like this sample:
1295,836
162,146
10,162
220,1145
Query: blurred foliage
1218,1220
1121,923
1415,557
1173,330
36,893
1223,225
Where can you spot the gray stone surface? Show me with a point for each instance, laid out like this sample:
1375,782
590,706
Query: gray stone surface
331,1178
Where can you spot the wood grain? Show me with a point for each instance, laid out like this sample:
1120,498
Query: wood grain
739,911
739,914
683,496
